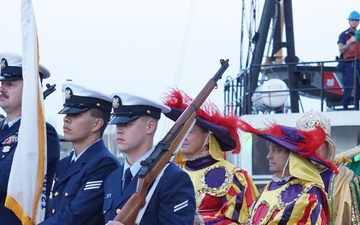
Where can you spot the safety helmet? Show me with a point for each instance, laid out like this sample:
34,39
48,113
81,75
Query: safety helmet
354,15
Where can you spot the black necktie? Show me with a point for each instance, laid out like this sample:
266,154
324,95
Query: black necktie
127,177
5,127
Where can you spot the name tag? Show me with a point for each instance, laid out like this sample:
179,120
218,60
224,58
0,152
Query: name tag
108,195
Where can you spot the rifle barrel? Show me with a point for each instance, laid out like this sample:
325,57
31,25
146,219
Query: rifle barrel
165,149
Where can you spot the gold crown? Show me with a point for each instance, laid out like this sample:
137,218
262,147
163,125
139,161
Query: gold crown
312,118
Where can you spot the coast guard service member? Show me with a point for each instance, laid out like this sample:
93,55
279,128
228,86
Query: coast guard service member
173,201
11,102
78,190
349,48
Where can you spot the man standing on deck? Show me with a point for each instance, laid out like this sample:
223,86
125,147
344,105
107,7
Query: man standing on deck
350,49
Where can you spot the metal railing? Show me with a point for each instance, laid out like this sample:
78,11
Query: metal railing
237,96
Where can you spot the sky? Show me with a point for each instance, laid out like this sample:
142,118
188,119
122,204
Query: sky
145,47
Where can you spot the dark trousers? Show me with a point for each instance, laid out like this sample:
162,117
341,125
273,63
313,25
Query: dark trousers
348,82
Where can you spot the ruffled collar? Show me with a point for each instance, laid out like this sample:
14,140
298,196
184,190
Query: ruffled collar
280,179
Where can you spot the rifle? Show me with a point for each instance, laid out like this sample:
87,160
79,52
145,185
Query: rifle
164,150
49,89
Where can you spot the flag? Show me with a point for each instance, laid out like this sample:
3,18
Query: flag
26,189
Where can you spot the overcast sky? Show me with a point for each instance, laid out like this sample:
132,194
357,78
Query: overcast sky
147,46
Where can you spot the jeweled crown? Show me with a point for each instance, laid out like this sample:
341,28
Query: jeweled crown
312,118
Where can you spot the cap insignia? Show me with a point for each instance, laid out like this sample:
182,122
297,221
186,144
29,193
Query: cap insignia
68,93
148,111
116,102
3,63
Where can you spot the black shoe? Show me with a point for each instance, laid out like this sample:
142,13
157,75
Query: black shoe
345,107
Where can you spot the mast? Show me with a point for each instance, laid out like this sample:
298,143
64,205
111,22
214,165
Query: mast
272,15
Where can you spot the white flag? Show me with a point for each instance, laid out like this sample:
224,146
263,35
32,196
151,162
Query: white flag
26,193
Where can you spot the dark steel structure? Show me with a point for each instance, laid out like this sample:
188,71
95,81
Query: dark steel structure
275,32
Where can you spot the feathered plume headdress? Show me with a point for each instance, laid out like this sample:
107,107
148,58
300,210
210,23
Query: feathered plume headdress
224,128
303,143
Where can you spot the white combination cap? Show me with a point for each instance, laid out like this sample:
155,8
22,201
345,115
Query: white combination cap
11,67
128,107
80,99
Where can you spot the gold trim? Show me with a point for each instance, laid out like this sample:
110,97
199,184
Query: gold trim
225,186
280,205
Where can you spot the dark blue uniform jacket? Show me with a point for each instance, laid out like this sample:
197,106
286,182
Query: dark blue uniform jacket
78,191
8,140
173,202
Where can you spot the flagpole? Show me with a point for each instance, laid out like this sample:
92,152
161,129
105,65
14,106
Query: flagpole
28,170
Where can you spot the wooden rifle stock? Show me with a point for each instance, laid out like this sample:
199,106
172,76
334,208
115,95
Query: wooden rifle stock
164,150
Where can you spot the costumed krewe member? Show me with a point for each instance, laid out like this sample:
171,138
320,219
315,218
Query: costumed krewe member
296,194
342,188
223,191
351,159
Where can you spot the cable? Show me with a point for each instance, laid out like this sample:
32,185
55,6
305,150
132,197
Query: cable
184,43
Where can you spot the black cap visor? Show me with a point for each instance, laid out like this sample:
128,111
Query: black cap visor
115,119
72,110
